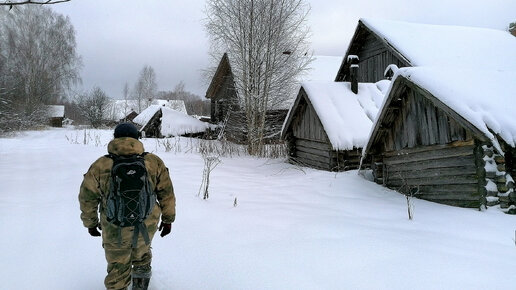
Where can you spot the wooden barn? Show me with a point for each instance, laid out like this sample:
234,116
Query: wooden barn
378,44
448,136
226,109
221,91
328,124
56,115
161,121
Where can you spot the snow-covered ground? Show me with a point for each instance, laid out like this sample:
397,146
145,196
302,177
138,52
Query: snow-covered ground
291,228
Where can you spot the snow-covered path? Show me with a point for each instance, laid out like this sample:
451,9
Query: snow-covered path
290,229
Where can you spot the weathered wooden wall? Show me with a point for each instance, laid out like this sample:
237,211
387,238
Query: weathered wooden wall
446,174
225,99
415,121
153,127
374,57
310,146
421,148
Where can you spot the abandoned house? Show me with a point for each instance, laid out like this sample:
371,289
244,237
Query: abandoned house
225,103
160,121
328,124
448,136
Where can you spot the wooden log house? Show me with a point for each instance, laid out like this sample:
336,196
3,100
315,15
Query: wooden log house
328,124
427,140
380,43
226,109
56,115
222,92
159,121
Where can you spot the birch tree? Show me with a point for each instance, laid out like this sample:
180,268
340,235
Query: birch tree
267,44
38,63
145,88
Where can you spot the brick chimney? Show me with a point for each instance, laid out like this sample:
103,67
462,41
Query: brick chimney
353,72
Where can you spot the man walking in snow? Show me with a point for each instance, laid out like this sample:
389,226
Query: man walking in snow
131,189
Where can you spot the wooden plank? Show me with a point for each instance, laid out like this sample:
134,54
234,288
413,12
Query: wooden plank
430,155
450,195
463,179
437,163
449,188
314,151
430,148
433,172
310,163
313,144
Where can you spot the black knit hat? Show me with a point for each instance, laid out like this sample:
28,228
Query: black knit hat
126,130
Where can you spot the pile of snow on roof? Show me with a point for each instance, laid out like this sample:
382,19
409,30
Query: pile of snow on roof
173,123
346,117
486,99
447,45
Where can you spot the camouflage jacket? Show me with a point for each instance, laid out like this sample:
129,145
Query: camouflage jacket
96,184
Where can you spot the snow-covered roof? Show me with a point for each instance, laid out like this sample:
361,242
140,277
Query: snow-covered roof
178,105
173,123
486,99
55,111
144,117
346,117
446,45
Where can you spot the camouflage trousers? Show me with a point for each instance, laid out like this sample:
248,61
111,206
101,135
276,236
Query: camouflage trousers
123,260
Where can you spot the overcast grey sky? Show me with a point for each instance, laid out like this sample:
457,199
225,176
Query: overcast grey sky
116,38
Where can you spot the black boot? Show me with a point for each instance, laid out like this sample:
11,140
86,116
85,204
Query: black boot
140,283
141,277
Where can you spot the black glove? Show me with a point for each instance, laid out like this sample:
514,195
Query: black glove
165,229
94,232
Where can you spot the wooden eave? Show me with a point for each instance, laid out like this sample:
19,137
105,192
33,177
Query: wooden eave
401,83
356,43
223,69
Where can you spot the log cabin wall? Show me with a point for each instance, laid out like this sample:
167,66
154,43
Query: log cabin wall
224,99
309,145
374,53
153,127
374,57
427,152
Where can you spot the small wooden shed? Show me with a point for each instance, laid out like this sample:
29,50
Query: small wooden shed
225,105
222,92
56,115
328,124
448,136
160,121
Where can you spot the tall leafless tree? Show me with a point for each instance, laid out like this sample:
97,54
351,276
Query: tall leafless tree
145,88
38,61
267,44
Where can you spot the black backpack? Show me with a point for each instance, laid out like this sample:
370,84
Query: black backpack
130,199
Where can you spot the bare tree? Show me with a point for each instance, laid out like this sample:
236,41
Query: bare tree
94,106
43,2
145,88
267,44
38,62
